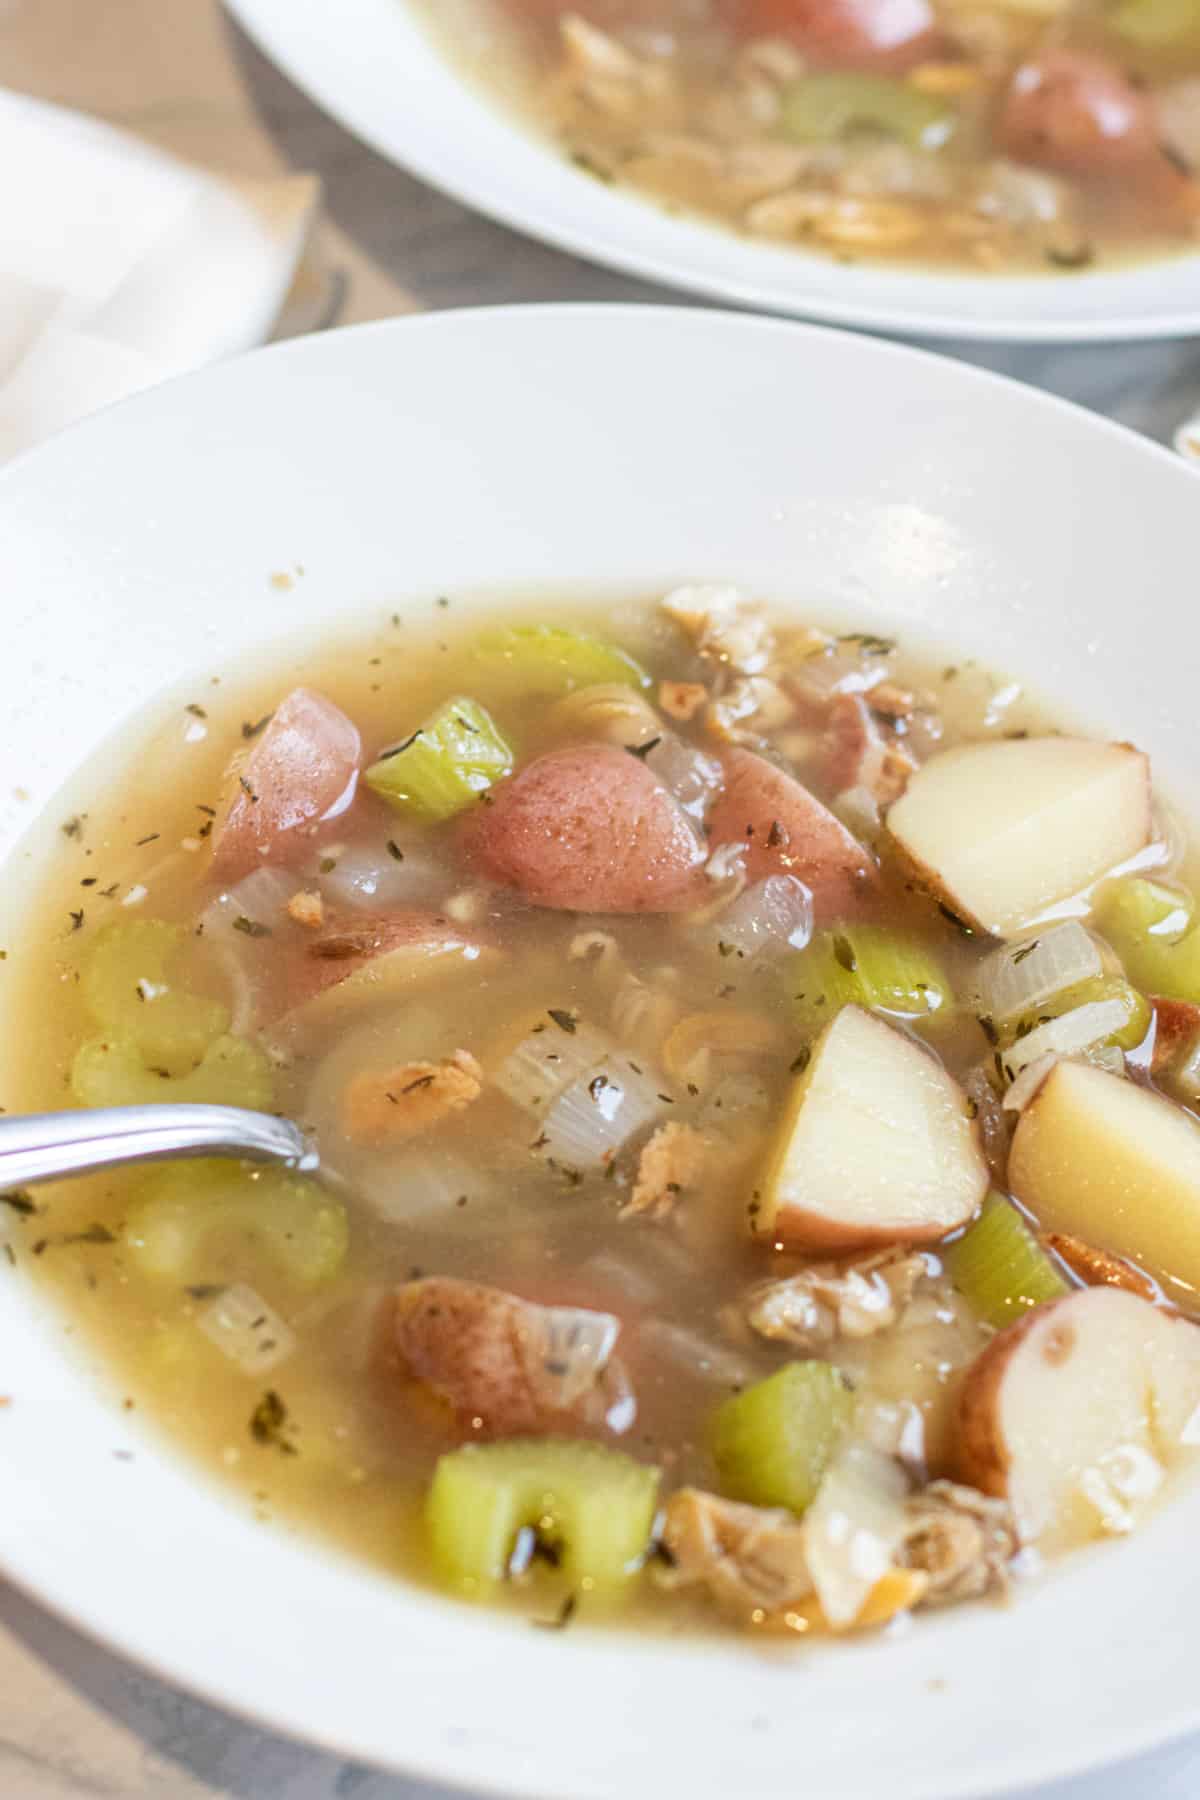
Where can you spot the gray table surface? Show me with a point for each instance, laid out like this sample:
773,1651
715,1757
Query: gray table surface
75,1721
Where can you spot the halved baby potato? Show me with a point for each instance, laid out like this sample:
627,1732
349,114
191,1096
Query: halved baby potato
1101,1158
1076,1412
876,1146
1002,831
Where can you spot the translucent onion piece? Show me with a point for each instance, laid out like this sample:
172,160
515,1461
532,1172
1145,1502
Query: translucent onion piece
1019,977
841,670
422,1185
854,1528
702,1358
692,776
598,1114
261,897
1029,1081
246,1330
370,876
1067,1035
774,914
547,1061
577,1349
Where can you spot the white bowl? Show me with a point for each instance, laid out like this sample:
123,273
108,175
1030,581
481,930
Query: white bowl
624,449
373,66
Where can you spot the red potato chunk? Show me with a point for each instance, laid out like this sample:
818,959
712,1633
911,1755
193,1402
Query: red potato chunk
857,754
303,769
590,829
788,832
1076,112
377,953
1176,1029
507,1367
877,34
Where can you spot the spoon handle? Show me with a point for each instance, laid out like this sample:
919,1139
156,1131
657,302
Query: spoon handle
47,1146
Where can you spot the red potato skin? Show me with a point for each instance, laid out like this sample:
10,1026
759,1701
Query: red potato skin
1075,112
1176,1027
465,1342
981,1458
304,768
761,803
589,829
797,1229
322,962
881,35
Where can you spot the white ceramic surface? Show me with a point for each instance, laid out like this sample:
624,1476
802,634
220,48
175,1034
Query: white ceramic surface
372,65
618,448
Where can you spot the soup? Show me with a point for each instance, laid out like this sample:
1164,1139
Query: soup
754,1075
1006,135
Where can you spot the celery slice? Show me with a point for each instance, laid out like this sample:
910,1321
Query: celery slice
126,986
595,1504
1157,24
823,107
1135,1009
1154,931
112,1071
868,966
1000,1268
193,1217
771,1444
446,764
546,659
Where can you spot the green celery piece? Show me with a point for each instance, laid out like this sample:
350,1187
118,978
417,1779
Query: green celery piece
772,1443
869,966
191,1215
1153,929
550,660
596,1503
1098,987
1157,24
456,755
124,979
113,1071
999,1266
824,107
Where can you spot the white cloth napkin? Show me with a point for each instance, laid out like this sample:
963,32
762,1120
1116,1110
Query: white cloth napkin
120,266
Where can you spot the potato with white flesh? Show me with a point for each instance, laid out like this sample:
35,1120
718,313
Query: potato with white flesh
1003,831
1111,1162
876,1145
1076,1412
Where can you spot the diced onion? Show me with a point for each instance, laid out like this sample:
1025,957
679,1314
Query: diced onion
1029,1082
691,1353
246,1330
692,776
775,914
422,1184
578,1346
1067,1035
261,897
854,1528
598,1114
1018,978
547,1062
373,878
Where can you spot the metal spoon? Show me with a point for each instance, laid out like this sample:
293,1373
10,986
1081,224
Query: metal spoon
47,1146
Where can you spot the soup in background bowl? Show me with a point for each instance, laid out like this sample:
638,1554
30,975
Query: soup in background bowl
1011,138
287,510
